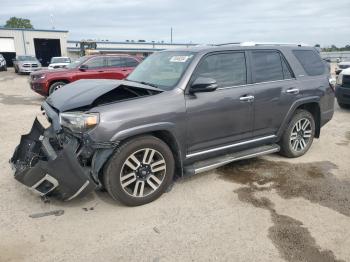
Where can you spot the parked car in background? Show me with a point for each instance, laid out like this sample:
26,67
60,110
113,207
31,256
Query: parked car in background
341,66
342,89
182,111
59,62
26,64
3,66
45,82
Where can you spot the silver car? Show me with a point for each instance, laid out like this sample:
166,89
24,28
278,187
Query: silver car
3,66
26,64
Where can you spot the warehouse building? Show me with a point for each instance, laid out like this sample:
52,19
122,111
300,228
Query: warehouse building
43,44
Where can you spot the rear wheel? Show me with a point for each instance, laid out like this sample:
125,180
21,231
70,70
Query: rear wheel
298,136
140,171
55,86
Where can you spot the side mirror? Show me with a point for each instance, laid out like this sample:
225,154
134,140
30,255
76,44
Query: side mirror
83,67
203,84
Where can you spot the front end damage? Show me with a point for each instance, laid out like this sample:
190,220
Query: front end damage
55,162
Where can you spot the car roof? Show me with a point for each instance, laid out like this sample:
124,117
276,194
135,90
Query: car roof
233,47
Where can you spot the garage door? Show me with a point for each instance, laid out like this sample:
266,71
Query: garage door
7,44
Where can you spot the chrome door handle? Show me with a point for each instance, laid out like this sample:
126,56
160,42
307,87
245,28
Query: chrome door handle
293,91
249,98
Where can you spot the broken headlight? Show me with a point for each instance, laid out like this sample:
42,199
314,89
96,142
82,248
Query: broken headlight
79,122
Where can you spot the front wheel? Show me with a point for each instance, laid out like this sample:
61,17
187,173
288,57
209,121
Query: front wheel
298,136
139,171
55,86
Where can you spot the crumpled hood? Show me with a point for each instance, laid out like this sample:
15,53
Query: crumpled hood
84,92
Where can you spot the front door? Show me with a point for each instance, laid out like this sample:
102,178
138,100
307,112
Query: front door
224,116
95,69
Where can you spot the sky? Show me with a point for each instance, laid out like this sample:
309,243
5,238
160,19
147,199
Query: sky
197,21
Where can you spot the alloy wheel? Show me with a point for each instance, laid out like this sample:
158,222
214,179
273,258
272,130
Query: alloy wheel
301,134
143,172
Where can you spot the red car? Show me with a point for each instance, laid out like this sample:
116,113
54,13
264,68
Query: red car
44,82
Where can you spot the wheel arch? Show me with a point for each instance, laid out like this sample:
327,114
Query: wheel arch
164,134
312,105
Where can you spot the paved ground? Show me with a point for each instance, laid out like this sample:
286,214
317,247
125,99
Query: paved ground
266,209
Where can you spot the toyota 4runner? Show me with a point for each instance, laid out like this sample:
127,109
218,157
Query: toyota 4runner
179,112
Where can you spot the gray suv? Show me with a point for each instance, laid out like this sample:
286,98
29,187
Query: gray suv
179,112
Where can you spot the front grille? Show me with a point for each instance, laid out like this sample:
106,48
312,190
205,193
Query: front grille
344,66
26,65
34,65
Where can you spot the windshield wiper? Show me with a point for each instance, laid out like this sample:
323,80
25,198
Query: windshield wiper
144,83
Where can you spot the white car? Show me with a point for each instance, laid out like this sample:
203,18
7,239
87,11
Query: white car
59,62
341,66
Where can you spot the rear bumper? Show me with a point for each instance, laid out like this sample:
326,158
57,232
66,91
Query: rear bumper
342,94
50,171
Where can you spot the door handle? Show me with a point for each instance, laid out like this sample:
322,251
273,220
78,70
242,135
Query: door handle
292,91
124,70
247,98
101,71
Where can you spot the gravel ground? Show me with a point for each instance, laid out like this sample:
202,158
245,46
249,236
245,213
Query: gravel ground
264,209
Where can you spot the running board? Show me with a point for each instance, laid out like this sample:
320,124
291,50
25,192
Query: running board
205,165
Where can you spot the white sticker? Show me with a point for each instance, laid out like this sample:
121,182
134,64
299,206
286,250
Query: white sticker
179,58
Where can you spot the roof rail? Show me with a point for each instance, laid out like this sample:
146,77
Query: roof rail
263,43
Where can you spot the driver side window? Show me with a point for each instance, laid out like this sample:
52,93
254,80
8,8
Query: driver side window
95,62
228,69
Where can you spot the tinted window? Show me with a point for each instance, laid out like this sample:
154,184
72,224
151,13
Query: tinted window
310,61
286,71
226,69
115,62
130,62
95,62
267,66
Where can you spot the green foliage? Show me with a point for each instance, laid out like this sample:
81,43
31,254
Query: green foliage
333,48
16,22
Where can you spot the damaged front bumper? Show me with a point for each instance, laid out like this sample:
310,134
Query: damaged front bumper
48,171
51,163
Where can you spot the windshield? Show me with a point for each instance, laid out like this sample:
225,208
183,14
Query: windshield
77,63
162,69
60,60
26,58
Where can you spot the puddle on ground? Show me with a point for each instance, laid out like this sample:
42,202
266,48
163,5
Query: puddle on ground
312,181
19,100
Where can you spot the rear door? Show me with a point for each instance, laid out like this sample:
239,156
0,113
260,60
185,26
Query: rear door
224,116
275,90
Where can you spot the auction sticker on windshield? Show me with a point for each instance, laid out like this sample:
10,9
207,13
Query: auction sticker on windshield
180,58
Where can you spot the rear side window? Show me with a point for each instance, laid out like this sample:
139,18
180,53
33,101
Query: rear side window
95,62
310,61
130,62
267,66
227,69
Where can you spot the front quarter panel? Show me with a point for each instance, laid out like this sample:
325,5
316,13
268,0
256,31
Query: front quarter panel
161,112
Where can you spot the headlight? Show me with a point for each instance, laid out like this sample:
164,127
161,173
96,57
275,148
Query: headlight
79,122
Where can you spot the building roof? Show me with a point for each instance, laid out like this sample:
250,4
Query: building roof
38,30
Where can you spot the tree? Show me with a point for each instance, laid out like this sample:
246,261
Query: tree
15,22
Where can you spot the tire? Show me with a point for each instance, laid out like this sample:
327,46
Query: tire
139,183
297,138
55,86
16,70
5,68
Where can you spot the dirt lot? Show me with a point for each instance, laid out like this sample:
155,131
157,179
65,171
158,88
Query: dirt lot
265,209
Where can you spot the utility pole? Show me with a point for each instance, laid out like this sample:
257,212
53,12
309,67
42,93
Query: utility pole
171,35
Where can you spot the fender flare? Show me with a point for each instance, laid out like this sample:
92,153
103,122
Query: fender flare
295,105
